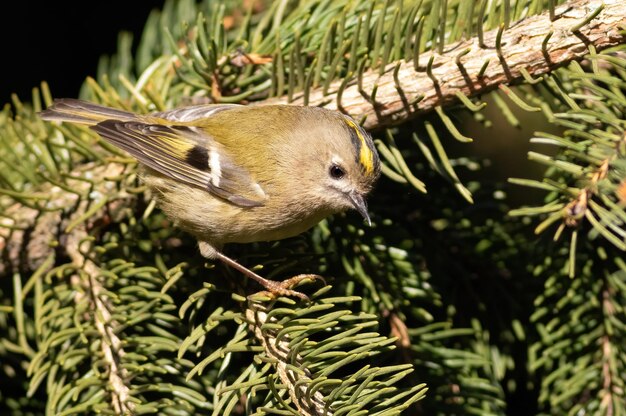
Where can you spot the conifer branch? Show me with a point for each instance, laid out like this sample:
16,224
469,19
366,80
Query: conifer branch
279,350
610,390
55,207
29,235
110,343
535,44
31,239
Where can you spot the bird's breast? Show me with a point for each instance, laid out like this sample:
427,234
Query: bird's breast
217,221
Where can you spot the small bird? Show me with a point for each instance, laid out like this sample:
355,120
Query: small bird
240,174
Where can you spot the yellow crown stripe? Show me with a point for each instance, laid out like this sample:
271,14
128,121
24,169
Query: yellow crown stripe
366,156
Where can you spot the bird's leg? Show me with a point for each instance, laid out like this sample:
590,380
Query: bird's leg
273,287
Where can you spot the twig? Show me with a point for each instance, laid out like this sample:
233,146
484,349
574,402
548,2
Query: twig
110,343
297,383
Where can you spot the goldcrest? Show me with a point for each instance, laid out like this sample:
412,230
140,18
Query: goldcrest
239,174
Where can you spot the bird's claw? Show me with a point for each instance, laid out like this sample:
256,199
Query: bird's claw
283,288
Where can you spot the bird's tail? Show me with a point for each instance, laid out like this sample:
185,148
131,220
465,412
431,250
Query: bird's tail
83,112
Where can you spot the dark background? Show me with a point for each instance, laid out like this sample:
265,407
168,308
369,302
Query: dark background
60,42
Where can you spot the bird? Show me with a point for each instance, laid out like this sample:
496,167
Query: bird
228,173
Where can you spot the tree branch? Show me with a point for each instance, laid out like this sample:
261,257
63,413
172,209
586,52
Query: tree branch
534,44
110,342
279,350
28,235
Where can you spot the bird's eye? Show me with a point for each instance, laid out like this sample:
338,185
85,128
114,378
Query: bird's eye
336,172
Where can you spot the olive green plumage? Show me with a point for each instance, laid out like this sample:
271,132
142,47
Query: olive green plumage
228,173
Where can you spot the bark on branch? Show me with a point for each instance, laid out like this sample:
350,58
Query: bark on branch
535,44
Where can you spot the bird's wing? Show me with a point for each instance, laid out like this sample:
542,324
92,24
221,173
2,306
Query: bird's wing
83,112
186,154
194,112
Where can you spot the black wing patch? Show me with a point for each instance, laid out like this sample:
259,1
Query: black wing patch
198,157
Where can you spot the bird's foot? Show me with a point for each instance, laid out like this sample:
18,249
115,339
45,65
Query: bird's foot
284,288
274,288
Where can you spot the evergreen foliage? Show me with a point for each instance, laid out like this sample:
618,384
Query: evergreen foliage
449,304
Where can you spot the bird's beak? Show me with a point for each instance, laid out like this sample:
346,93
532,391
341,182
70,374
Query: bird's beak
360,205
